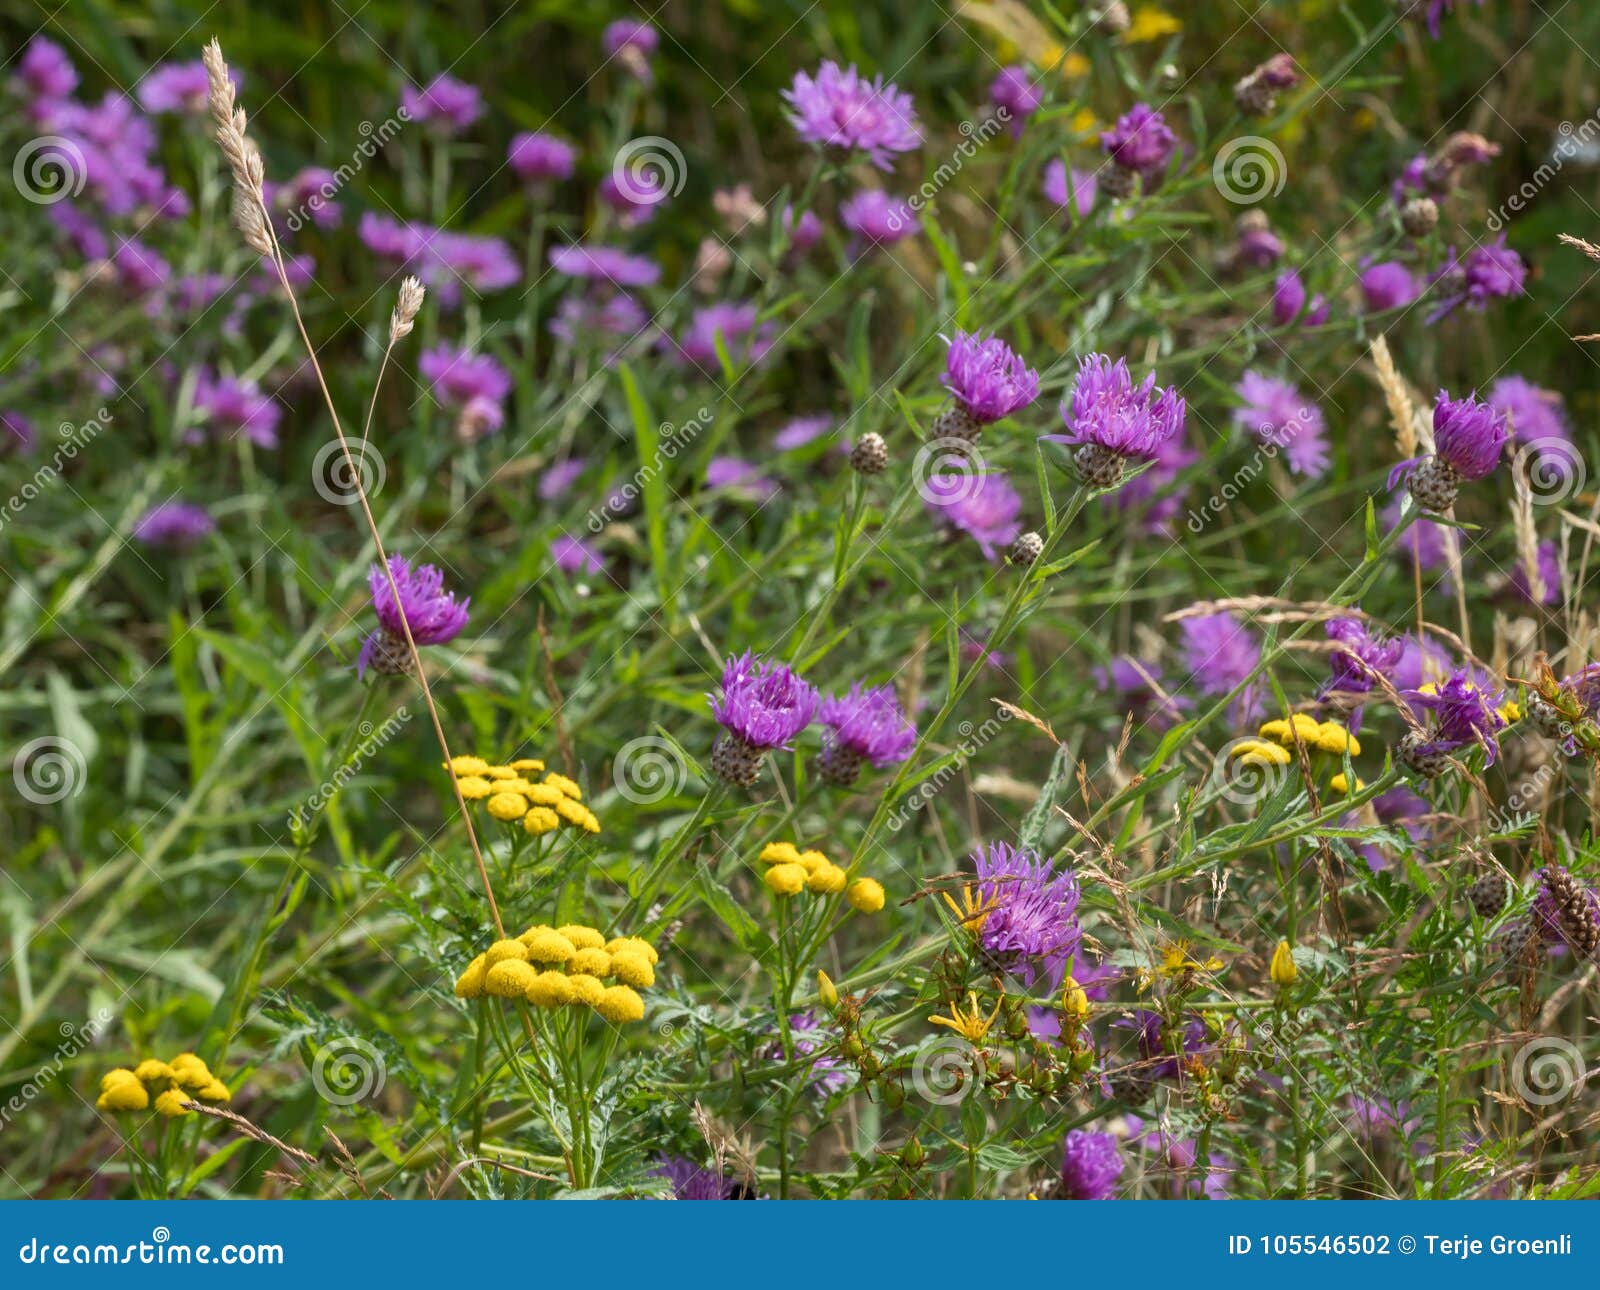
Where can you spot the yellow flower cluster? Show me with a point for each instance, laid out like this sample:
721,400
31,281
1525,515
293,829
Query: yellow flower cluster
184,1079
509,795
551,967
791,871
1322,736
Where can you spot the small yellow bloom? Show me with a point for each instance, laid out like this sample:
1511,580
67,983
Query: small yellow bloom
550,990
1283,970
1150,23
582,937
151,1071
780,853
1175,961
508,806
811,861
632,969
516,785
188,1071
126,1095
595,962
587,989
550,947
1339,784
1334,738
827,880
120,1075
215,1091
1300,724
972,1026
463,766
474,787
1260,752
1084,121
541,819
523,765
590,823
619,1004
866,894
509,979
972,911
171,1103
633,945
570,811
469,985
1511,710
565,785
544,794
1074,1002
827,992
499,772
786,879
500,951
534,931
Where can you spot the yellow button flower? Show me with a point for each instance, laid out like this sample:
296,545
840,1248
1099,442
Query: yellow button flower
215,1091
550,947
582,937
594,962
550,990
500,951
499,772
540,820
786,879
866,894
565,785
632,969
171,1103
508,806
633,945
474,787
188,1071
587,989
570,811
120,1075
780,853
1283,970
1334,738
1259,752
590,822
827,879
1306,727
126,1095
1339,784
619,1004
523,765
469,985
463,766
509,979
151,1071
544,794
811,861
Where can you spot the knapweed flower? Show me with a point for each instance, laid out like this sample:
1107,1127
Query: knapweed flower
827,1074
44,71
1388,285
308,195
732,324
456,376
738,477
800,431
863,725
446,104
690,1182
1257,93
1257,247
1358,661
1073,190
1141,144
840,108
1465,714
1137,686
177,87
604,264
1467,438
1490,272
1278,414
875,219
1024,912
1289,301
539,158
1111,421
1220,653
983,505
988,381
174,526
574,555
631,42
1015,96
1091,1163
433,614
803,231
762,706
237,407
1532,414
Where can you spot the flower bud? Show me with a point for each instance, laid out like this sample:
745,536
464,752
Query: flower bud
1283,971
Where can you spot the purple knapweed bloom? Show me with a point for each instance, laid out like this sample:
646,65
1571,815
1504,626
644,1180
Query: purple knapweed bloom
863,725
1360,657
633,196
987,379
44,71
828,1074
1072,190
457,375
1388,285
1288,297
1549,561
177,87
1491,272
1468,434
745,341
604,318
1111,421
631,42
690,1182
1164,1045
762,706
174,526
800,431
1421,662
1220,652
1016,97
1028,911
308,194
17,432
874,219
1278,414
449,261
433,614
803,231
1141,144
538,158
604,264
560,477
235,407
1532,414
1091,1163
983,505
1151,490
1465,714
445,104
1137,686
139,268
574,555
840,108
736,475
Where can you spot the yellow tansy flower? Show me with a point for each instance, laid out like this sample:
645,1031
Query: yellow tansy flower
811,861
500,951
499,772
780,853
633,945
565,785
188,1071
524,764
474,787
1334,738
620,1004
151,1071
544,794
1339,784
632,969
786,879
550,990
123,1095
866,894
548,946
463,766
215,1091
509,979
582,937
1260,751
570,811
594,962
590,823
508,806
171,1103
827,880
469,985
541,819
586,989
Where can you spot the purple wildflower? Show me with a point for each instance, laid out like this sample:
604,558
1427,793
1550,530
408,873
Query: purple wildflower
1436,9
863,725
604,264
1388,285
1110,420
236,407
842,109
559,478
735,325
800,431
828,1074
449,261
445,103
875,219
1421,662
1152,489
309,194
803,232
987,377
177,87
1279,415
540,158
1137,686
573,555
1091,1163
1220,652
1401,808
1360,657
139,269
45,71
1029,922
582,317
174,526
1016,96
690,1182
1490,272
1468,435
1288,297
17,432
1141,141
457,376
982,505
634,195
763,705
1532,414
736,475
631,42
1464,714
433,614
1078,200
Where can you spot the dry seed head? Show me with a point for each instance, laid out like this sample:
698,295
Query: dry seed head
1527,535
406,309
251,222
1402,414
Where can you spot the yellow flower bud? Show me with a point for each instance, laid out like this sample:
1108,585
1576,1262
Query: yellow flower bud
171,1103
619,1004
469,985
634,945
826,991
508,979
500,951
188,1071
1074,1002
508,806
541,819
546,946
215,1091
586,989
582,938
544,794
780,853
523,765
786,879
1284,972
550,990
464,766
565,785
594,962
826,879
128,1095
811,861
474,787
151,1071
866,894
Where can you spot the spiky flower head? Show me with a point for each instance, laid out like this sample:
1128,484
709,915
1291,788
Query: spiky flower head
1091,1163
1141,140
984,506
1468,434
1464,713
433,614
1109,411
840,108
1567,913
1028,911
765,704
987,377
1360,656
868,725
690,1182
1280,415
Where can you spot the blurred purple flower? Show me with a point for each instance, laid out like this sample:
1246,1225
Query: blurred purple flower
174,526
1084,188
1220,652
457,375
840,108
1532,413
982,505
541,158
604,264
1016,95
1140,141
1278,414
1091,1164
573,555
177,87
237,407
875,219
446,104
1388,285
